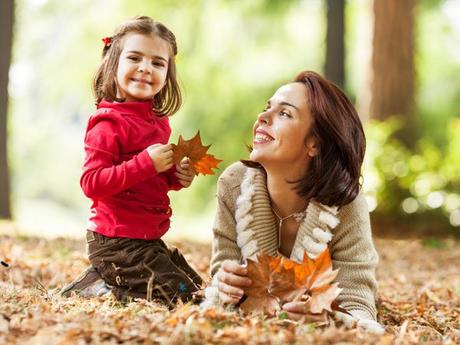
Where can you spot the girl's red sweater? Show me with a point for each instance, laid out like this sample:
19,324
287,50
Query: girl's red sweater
130,199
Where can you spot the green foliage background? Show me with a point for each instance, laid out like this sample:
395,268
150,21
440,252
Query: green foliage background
232,57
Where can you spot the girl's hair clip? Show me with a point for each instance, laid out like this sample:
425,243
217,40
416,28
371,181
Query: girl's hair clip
107,41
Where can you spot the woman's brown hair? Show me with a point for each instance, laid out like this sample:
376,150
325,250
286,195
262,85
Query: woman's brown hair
169,99
333,175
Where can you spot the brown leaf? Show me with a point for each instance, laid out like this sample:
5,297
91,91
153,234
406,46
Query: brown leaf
202,163
321,299
192,148
284,284
277,280
258,295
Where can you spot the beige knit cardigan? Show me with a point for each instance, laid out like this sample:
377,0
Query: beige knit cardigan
245,225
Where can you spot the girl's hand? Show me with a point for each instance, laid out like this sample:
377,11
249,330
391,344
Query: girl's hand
298,310
162,156
231,279
184,173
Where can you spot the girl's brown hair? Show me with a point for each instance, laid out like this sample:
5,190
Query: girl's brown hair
333,175
169,99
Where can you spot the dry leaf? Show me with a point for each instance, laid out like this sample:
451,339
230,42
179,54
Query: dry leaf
258,295
206,164
428,299
277,280
284,284
202,163
321,299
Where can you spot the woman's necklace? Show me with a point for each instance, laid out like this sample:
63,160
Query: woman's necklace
298,216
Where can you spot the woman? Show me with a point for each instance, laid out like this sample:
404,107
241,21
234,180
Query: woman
299,191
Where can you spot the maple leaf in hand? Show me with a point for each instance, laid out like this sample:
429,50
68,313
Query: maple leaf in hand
192,148
206,164
273,283
202,163
319,282
258,295
285,286
277,280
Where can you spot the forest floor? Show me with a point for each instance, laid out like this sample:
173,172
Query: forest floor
419,302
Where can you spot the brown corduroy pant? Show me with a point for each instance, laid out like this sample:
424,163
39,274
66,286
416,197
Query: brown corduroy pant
142,268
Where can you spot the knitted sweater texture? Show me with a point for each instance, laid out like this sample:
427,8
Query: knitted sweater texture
245,226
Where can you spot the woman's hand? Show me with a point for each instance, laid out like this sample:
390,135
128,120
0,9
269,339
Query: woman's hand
184,172
162,156
231,280
298,310
366,325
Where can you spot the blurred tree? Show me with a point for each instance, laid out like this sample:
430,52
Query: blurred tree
6,34
392,75
335,51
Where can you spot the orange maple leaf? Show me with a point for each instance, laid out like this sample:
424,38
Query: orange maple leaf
322,273
202,163
284,283
277,280
258,295
206,164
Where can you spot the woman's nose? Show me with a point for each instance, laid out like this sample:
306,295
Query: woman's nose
264,117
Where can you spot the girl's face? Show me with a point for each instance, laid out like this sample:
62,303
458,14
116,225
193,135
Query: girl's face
281,130
142,67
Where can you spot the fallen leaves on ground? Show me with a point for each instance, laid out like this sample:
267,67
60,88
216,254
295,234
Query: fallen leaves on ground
419,302
202,162
278,280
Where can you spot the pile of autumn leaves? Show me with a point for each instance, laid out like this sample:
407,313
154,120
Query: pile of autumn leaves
278,280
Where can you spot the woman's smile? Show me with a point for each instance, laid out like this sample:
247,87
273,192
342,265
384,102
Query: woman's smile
262,137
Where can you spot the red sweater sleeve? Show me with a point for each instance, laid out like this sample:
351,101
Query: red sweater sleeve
102,176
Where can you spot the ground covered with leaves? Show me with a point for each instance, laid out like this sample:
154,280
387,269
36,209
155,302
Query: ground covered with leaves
419,302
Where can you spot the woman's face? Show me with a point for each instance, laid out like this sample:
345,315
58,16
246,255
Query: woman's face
280,131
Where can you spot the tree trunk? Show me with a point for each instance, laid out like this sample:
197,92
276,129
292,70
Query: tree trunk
392,81
6,35
335,51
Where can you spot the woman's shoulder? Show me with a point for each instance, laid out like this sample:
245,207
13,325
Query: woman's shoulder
359,203
357,210
233,175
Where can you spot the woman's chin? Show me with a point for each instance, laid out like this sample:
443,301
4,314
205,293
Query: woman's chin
257,157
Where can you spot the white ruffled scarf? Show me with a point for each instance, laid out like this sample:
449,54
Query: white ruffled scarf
260,234
257,228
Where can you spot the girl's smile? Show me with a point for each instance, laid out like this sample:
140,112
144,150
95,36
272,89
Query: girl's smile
142,67
141,81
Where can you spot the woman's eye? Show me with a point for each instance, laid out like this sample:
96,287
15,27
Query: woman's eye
285,114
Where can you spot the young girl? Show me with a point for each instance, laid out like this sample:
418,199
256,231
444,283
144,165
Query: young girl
129,170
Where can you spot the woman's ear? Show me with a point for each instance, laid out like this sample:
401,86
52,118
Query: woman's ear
312,148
